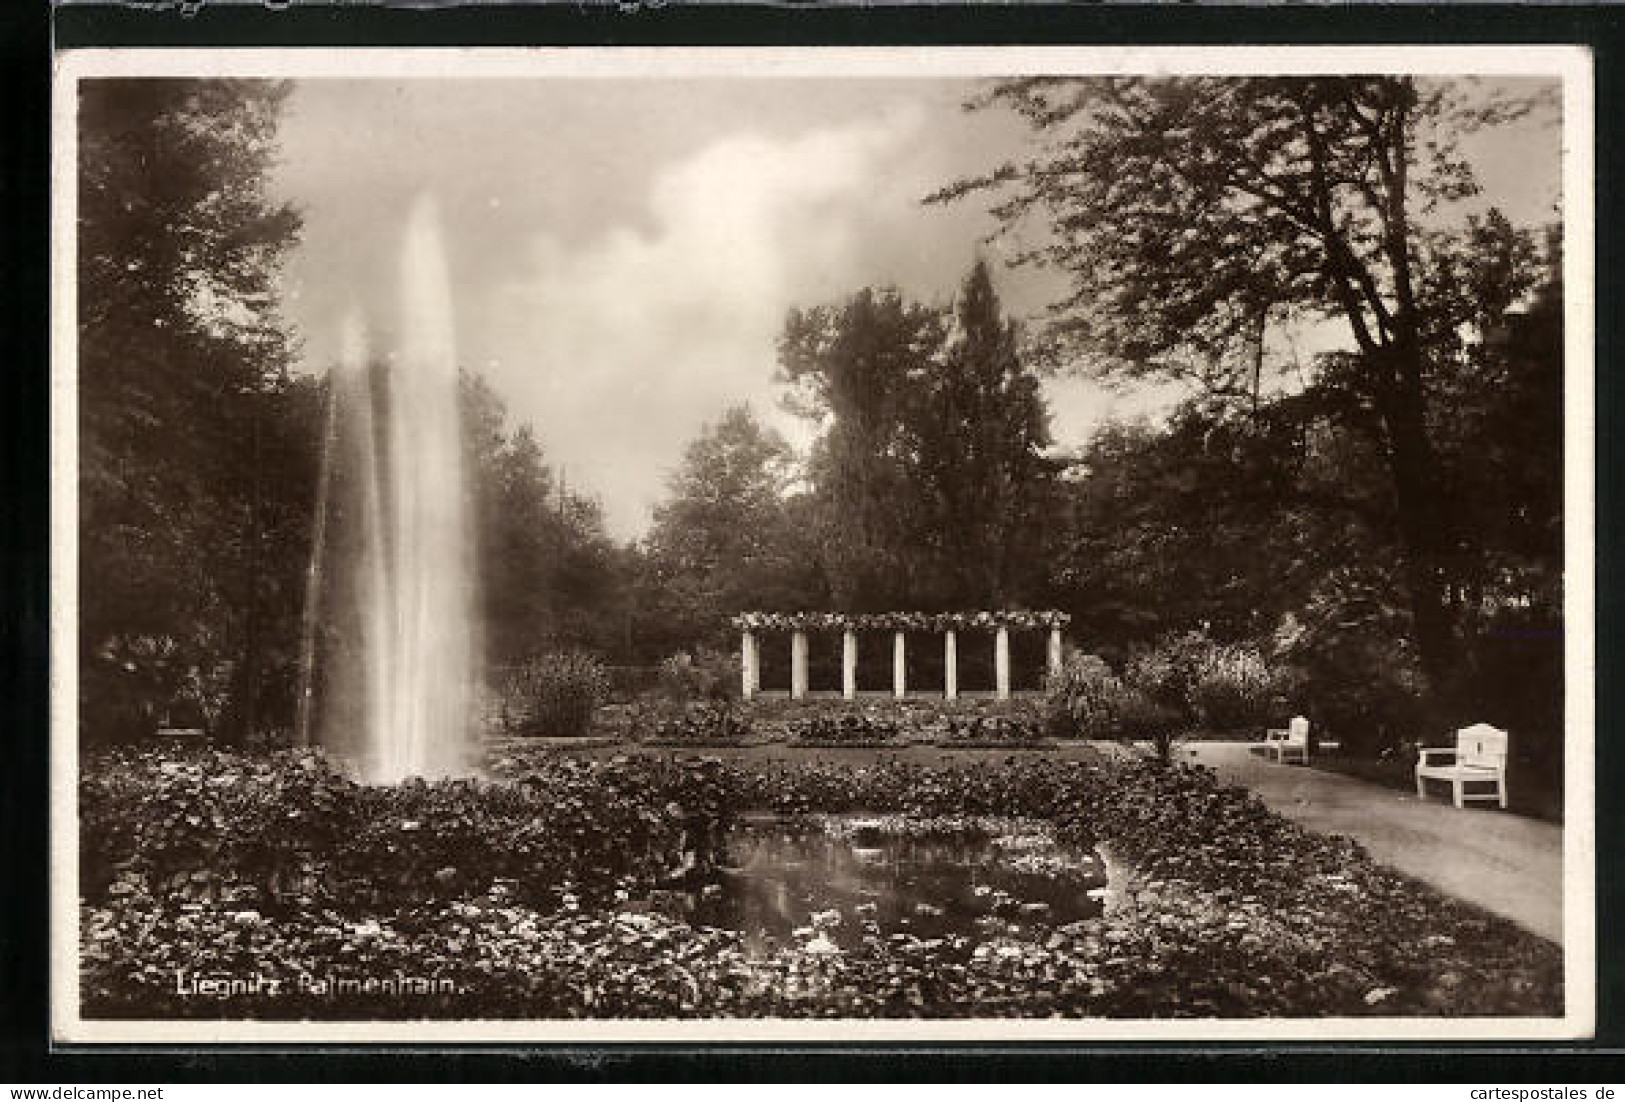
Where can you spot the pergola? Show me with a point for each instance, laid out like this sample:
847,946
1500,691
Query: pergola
753,625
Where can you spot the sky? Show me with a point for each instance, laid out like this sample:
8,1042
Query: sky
623,252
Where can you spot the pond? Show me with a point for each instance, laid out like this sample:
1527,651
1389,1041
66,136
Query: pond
827,880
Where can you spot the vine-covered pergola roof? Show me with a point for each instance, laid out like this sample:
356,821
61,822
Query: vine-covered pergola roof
1016,619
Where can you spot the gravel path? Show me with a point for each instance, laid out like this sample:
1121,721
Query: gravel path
1507,864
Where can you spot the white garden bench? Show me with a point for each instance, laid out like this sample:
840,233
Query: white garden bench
1289,742
1478,758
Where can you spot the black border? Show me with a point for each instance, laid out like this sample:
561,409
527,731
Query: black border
26,35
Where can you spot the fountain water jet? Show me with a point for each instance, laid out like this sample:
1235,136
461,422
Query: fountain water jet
400,691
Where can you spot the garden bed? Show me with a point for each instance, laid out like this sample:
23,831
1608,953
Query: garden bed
699,744
702,727
994,733
853,731
511,743
520,898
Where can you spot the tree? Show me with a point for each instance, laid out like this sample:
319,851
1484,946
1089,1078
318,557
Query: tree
982,427
548,574
930,475
725,498
723,542
1189,211
859,369
190,551
1504,445
1218,520
1499,411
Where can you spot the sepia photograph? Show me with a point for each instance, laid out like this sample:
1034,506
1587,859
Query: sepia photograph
598,545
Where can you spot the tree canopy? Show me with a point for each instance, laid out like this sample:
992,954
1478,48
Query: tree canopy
726,537
930,473
186,402
1190,212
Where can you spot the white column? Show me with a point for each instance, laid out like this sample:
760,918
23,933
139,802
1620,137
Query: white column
849,665
899,667
950,667
747,665
1054,656
1001,661
798,664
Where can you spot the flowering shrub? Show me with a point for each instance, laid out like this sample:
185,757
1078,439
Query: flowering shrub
1231,686
1089,700
1165,672
1198,682
1085,698
703,675
555,695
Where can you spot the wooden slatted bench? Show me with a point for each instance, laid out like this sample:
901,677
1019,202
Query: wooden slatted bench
1478,758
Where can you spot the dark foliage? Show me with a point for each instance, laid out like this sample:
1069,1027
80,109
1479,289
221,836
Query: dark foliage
994,732
555,695
191,553
520,894
716,724
929,481
853,730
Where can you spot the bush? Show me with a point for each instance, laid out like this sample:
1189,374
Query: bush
1362,681
1373,700
704,675
1232,686
1094,702
1165,672
1085,698
1142,718
1200,682
555,695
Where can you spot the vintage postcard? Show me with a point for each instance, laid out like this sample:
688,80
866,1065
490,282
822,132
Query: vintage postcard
800,544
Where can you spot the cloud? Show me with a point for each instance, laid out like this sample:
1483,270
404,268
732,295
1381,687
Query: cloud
620,348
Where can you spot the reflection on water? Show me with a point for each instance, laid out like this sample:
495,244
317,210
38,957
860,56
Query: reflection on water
917,878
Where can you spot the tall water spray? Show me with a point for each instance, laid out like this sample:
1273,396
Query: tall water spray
400,692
